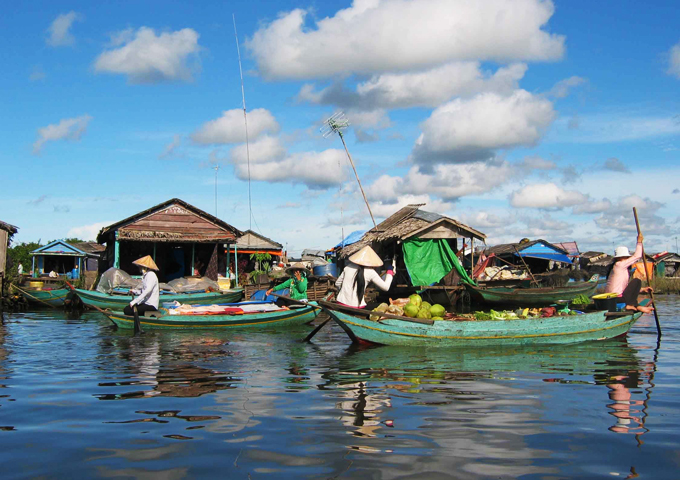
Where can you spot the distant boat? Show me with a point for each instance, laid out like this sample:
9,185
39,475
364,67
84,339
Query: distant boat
118,301
295,315
45,297
531,297
446,333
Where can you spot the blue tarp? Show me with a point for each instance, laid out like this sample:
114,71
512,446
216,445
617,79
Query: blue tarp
353,237
545,252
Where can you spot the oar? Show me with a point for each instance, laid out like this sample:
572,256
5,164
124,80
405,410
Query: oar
292,300
33,297
644,262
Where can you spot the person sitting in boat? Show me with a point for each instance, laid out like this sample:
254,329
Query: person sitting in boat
619,281
297,282
359,272
147,299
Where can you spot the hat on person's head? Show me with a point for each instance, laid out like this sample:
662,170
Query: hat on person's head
146,262
621,252
366,257
296,266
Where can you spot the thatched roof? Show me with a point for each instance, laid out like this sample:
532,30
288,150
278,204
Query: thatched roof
11,229
410,222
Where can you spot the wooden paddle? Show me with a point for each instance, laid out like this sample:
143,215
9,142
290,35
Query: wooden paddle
649,283
319,326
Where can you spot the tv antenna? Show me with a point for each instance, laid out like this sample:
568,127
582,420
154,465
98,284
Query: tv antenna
245,120
336,123
216,168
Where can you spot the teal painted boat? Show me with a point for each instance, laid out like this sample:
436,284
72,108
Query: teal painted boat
118,302
296,315
531,297
43,298
444,333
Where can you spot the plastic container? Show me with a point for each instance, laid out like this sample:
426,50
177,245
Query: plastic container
620,307
608,304
328,269
36,285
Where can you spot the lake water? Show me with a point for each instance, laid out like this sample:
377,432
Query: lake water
79,399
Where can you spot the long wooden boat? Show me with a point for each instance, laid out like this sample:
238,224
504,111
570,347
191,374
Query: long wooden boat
531,297
43,298
404,331
118,302
296,315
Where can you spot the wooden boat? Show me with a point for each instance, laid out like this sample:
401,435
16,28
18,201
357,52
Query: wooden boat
531,297
118,302
397,330
43,298
295,315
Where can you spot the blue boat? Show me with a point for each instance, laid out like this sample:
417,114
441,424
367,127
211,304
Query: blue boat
398,330
118,302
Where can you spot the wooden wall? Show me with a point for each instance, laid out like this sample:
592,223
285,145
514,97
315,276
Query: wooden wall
3,251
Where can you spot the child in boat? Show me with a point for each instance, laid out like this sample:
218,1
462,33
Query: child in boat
147,299
619,281
297,282
359,272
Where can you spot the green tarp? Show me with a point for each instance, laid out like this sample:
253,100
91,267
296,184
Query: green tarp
428,261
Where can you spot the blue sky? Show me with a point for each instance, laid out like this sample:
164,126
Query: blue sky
522,119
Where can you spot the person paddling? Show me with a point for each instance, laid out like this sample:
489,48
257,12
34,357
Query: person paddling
619,281
359,272
147,299
297,282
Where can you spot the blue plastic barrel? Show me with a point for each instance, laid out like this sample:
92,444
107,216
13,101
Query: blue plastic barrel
328,269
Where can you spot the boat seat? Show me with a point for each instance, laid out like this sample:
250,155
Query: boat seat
153,314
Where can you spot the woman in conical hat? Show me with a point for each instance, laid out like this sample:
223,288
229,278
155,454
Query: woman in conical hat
359,272
297,282
147,295
619,281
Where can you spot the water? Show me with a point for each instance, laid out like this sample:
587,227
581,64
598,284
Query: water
81,400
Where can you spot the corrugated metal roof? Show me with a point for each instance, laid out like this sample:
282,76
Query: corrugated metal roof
510,247
427,216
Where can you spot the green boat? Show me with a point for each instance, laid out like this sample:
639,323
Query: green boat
41,298
118,302
531,297
296,315
398,330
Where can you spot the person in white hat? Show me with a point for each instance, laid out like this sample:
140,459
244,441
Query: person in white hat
147,299
619,280
359,272
297,282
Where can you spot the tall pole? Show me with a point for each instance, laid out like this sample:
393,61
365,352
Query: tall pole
357,175
649,283
245,120
217,167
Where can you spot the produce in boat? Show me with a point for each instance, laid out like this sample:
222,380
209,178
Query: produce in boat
380,308
395,310
415,299
410,310
424,313
437,310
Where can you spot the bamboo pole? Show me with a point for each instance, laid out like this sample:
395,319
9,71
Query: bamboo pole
649,283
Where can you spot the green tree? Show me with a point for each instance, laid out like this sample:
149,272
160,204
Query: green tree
20,253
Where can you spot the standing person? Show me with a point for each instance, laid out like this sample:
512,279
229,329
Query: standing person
619,281
359,272
297,282
147,299
20,269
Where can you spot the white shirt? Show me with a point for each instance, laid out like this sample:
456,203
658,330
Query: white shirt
345,284
20,269
149,293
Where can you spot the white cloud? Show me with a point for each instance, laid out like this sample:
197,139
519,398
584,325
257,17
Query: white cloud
620,216
374,36
535,162
149,58
674,61
87,232
468,130
428,88
614,127
384,210
546,195
594,206
171,147
66,129
59,30
562,88
230,127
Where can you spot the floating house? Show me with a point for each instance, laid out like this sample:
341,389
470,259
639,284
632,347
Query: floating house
667,264
423,243
539,255
70,260
6,232
180,237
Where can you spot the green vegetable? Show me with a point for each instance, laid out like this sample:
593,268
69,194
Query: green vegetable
415,299
581,300
410,310
437,310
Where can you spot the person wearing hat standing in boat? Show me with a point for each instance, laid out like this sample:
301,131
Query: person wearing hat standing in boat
297,282
619,280
147,296
359,272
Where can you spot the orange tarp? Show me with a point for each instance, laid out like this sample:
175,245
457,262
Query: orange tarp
640,271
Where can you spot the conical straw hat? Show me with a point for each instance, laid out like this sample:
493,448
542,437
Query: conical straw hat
296,266
366,257
146,262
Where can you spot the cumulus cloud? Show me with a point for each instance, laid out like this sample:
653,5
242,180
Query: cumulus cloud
534,162
487,220
149,58
562,88
470,130
674,61
230,127
59,34
363,38
546,196
66,129
364,136
429,88
170,148
620,216
615,165
593,206
546,225
88,232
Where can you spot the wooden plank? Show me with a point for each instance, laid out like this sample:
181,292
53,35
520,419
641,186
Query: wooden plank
162,223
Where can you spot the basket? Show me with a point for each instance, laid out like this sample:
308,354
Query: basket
608,304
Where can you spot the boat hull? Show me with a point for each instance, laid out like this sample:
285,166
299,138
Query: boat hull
43,298
529,297
118,302
446,333
285,318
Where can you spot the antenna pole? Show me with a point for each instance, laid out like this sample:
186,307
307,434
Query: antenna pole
357,175
245,120
217,167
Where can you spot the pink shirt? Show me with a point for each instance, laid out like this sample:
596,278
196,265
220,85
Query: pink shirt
619,278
